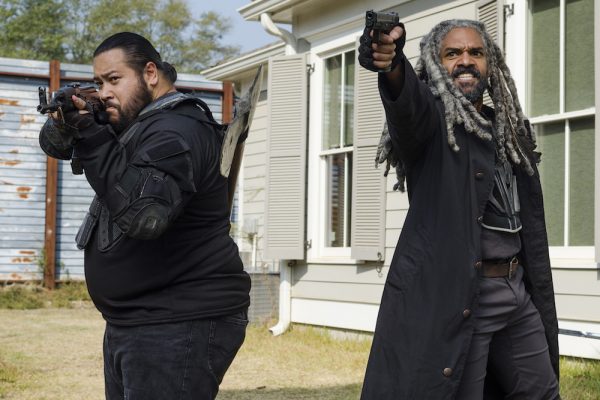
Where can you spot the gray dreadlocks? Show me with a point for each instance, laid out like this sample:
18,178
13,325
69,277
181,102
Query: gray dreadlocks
508,130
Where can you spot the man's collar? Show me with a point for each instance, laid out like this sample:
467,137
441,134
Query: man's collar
162,102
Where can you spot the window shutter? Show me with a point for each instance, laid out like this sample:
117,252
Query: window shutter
491,13
368,183
286,158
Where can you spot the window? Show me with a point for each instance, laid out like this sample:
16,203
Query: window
561,107
337,146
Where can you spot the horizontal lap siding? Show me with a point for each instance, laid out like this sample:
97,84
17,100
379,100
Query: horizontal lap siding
253,208
577,294
397,202
340,296
348,296
322,292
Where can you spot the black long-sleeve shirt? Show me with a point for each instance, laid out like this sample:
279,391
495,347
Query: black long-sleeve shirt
192,269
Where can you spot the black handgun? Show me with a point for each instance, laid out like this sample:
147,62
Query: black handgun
380,22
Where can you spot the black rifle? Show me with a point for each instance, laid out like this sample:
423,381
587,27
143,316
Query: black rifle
62,103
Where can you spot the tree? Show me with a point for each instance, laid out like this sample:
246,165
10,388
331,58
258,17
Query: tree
70,30
32,29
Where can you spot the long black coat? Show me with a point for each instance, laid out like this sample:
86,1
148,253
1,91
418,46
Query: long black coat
425,325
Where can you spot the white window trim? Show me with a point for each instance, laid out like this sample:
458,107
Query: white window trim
317,165
517,57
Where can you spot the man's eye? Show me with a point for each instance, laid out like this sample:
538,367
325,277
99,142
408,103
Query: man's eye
451,54
113,79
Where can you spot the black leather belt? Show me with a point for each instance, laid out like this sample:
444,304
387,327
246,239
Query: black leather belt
499,268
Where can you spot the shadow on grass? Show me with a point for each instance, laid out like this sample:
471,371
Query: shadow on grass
345,392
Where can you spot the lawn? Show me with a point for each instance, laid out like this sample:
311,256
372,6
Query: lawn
55,354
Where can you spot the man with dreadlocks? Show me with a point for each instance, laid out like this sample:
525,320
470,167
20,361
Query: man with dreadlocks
468,307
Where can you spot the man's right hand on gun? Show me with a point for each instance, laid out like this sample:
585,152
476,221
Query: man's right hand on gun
388,52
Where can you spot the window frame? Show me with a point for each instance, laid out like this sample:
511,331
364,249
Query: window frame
317,196
342,149
518,57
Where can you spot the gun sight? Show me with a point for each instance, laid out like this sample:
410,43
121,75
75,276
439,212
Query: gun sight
381,22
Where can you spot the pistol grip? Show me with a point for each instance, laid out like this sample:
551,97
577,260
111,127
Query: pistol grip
376,35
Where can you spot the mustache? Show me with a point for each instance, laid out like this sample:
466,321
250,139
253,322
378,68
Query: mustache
111,104
466,70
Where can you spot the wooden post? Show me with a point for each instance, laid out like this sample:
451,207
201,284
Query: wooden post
51,196
227,106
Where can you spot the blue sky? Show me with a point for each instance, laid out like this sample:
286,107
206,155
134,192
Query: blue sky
248,35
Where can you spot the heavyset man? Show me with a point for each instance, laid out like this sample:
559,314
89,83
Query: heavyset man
468,307
159,262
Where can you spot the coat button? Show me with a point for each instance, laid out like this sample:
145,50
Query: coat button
479,175
478,264
447,372
466,313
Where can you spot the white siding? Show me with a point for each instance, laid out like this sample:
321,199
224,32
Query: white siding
346,294
319,289
254,182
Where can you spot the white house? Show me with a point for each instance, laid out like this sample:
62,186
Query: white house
317,208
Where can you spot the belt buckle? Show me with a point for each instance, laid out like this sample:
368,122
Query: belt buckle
512,266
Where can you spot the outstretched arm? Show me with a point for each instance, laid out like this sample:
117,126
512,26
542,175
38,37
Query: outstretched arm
387,54
409,104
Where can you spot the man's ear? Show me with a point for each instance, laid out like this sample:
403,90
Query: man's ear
151,74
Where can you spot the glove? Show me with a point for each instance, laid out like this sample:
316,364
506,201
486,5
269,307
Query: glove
55,141
76,122
365,50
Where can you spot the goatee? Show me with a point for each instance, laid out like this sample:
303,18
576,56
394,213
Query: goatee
475,93
128,113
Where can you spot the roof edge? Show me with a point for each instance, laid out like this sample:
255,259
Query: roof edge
252,10
230,69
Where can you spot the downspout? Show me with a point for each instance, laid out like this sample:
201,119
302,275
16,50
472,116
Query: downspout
285,299
272,29
285,270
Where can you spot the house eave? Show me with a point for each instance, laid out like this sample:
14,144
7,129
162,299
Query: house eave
229,70
280,10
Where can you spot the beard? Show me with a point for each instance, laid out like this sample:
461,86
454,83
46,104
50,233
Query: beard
471,93
128,112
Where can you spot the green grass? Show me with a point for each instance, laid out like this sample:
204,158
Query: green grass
9,377
579,379
32,296
304,363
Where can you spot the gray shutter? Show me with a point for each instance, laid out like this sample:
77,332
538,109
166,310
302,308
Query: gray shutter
368,183
491,13
286,158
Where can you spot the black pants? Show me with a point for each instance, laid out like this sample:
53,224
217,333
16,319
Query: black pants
509,340
182,360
